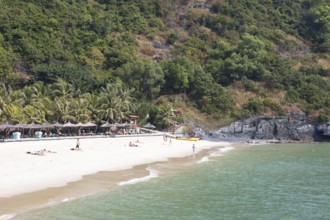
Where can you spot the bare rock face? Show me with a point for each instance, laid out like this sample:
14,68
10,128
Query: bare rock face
324,129
293,127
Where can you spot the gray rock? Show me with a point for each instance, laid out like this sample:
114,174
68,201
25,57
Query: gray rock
293,127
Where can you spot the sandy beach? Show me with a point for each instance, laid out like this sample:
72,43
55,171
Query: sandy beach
23,173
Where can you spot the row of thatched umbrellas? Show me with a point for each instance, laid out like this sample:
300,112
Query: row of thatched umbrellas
67,125
45,125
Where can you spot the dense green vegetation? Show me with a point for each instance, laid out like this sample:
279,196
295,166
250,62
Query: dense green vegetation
99,60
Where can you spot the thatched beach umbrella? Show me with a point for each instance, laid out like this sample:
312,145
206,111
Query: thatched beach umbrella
79,124
106,125
124,125
5,126
33,126
89,124
58,125
47,125
150,126
69,125
20,125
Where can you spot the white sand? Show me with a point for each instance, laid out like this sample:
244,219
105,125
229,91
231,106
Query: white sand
21,172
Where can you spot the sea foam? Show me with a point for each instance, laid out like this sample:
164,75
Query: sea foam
152,174
203,160
225,149
7,216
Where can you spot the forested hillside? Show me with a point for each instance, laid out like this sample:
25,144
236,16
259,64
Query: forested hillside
164,60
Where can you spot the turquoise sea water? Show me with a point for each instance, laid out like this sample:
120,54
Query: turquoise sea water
254,182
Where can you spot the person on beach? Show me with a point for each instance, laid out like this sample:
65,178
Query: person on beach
131,144
78,144
193,148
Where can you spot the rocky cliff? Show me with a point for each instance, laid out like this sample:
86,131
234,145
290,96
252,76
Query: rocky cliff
293,127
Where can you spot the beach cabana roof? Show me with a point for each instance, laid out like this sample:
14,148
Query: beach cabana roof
106,125
58,125
69,125
148,125
5,125
79,124
124,125
20,125
33,126
90,124
47,125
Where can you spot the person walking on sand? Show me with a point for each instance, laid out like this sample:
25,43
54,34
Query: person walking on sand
78,144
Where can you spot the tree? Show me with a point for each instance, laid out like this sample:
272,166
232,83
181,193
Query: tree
318,23
116,102
63,110
6,60
145,76
178,73
12,113
62,89
247,60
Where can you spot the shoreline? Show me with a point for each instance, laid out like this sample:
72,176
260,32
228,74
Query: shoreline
126,163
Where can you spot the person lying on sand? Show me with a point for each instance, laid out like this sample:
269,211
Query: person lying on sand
137,141
76,149
38,153
41,152
132,144
48,151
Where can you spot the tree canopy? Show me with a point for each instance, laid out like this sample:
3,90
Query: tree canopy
102,60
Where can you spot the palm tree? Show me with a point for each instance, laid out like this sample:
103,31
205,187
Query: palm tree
79,109
33,114
12,113
5,94
62,89
116,102
165,115
93,104
63,111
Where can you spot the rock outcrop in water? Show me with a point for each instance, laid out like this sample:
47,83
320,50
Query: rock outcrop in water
293,127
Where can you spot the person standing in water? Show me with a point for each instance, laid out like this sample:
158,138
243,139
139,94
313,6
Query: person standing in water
193,149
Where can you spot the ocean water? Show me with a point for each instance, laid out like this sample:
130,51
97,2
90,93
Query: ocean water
253,182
